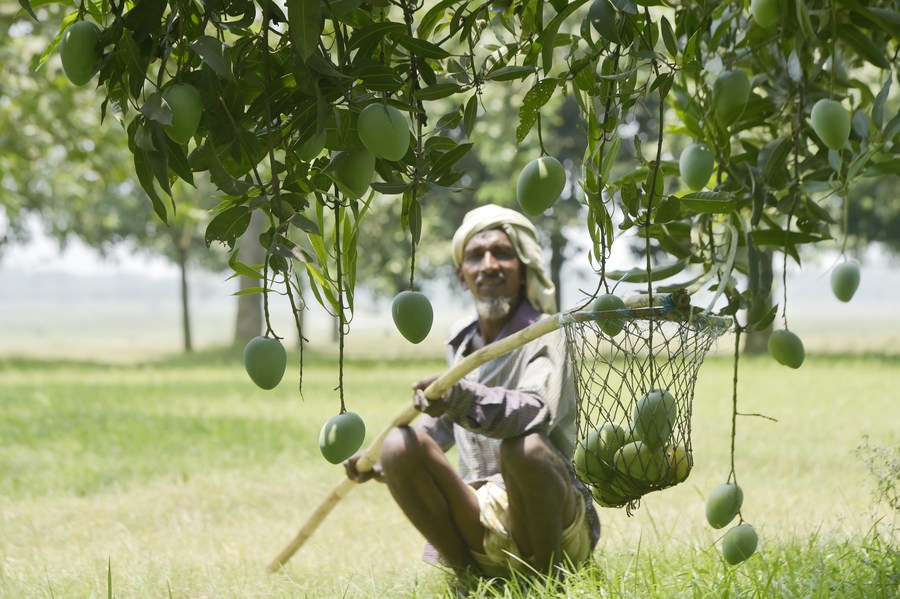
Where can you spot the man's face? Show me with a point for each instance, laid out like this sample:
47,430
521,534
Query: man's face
491,268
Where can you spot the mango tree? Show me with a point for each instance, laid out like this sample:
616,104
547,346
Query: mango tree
790,102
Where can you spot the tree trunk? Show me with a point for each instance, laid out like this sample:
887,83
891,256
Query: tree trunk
249,321
757,342
557,259
185,308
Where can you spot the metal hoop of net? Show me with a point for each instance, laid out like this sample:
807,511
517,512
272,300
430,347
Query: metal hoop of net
635,371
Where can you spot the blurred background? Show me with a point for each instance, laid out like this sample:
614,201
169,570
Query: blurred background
127,306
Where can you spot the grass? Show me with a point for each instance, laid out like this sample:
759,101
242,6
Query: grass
179,478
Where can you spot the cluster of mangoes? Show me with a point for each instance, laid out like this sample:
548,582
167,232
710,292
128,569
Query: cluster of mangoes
621,465
722,506
81,54
265,360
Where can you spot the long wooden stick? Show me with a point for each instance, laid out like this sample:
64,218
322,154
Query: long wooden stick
636,307
433,391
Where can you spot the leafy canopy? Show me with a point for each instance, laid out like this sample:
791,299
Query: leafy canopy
272,77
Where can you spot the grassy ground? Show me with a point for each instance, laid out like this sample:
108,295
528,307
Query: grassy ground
180,478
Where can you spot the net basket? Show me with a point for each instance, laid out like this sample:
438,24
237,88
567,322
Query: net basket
634,376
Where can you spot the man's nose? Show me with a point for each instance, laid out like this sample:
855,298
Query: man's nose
488,262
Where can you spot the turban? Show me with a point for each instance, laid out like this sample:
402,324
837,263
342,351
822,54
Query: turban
539,289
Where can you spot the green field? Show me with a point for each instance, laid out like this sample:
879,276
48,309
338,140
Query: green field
180,478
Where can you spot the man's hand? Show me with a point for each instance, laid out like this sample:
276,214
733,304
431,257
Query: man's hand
360,477
434,407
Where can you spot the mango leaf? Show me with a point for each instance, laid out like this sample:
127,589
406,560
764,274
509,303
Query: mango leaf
305,25
432,18
145,176
214,53
535,98
878,105
380,78
547,39
668,35
641,275
884,167
422,48
249,291
669,209
370,35
305,224
510,73
155,109
470,114
390,188
710,202
26,6
242,269
228,225
178,161
445,162
773,156
438,91
864,45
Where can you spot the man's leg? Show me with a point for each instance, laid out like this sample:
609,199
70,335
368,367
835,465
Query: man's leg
432,495
542,498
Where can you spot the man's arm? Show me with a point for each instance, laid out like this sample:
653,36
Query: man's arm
508,412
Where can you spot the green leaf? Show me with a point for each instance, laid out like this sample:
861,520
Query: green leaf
26,5
669,209
178,161
510,73
145,177
305,25
390,189
773,157
215,54
884,167
438,91
878,105
374,33
219,175
249,291
470,114
547,39
668,35
864,45
445,162
380,78
534,99
710,202
155,109
228,225
422,48
642,275
242,269
432,18
305,224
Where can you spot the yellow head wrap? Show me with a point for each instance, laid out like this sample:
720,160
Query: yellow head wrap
539,289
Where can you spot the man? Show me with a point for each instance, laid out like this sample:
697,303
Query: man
515,502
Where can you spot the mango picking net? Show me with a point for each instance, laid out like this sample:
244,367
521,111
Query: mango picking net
635,372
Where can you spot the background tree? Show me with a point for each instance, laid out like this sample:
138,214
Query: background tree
73,174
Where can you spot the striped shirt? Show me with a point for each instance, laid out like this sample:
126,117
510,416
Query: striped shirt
530,389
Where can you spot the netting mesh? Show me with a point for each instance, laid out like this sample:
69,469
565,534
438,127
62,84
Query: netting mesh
635,383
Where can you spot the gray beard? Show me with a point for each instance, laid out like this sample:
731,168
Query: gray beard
493,309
